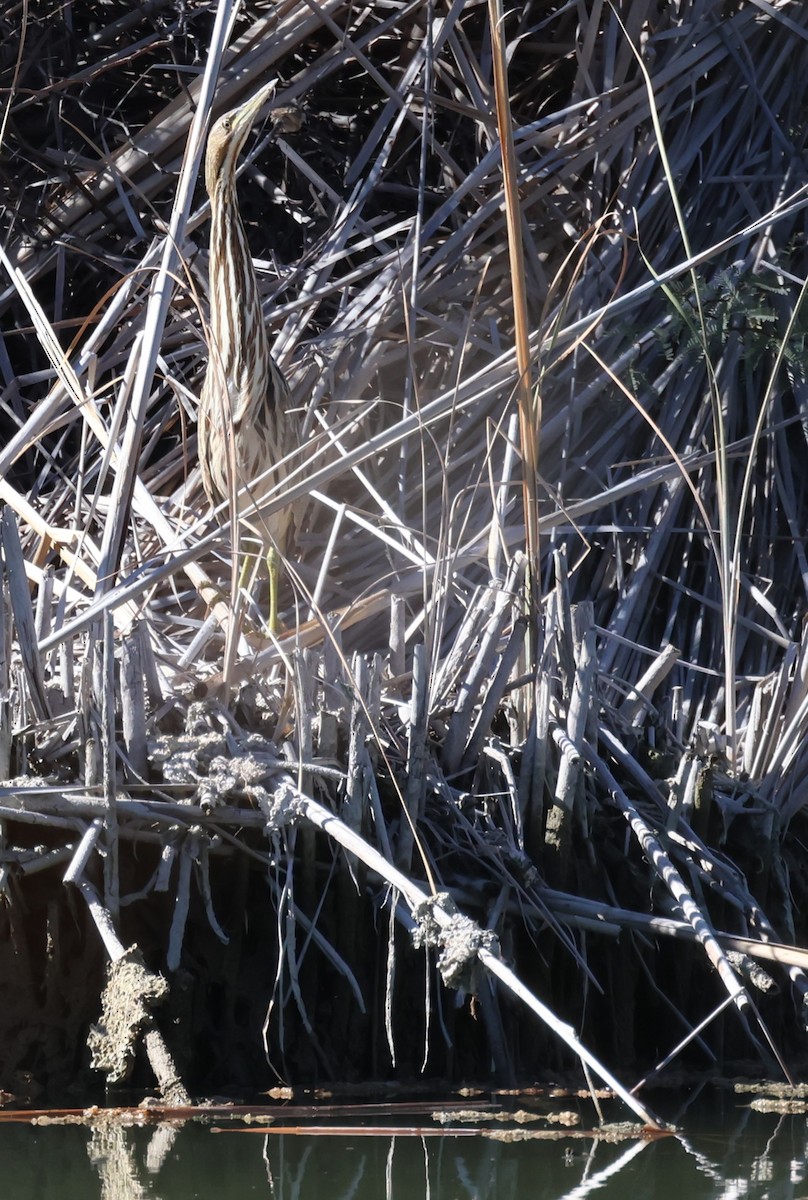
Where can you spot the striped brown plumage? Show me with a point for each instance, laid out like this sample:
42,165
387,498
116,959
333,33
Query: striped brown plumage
244,423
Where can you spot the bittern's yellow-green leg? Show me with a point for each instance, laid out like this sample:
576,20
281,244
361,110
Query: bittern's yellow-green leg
273,570
247,577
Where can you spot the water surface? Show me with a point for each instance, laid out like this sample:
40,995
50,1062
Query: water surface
723,1149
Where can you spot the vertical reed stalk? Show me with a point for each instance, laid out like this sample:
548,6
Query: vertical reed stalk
529,403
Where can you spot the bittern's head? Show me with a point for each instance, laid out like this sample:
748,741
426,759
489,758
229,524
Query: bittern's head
228,136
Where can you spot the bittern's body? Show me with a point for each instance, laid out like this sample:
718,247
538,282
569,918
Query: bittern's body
244,425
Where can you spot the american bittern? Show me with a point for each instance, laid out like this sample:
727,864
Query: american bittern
244,423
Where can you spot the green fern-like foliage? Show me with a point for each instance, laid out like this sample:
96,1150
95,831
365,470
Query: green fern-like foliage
737,304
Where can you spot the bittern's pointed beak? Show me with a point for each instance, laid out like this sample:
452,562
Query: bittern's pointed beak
246,113
229,134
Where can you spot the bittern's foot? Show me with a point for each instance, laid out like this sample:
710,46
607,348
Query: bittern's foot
273,629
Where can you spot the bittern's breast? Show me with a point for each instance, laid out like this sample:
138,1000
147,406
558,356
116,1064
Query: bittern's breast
244,442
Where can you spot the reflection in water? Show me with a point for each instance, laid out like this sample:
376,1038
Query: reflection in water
719,1156
115,1156
598,1178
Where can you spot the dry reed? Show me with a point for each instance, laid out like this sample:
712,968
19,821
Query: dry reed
657,165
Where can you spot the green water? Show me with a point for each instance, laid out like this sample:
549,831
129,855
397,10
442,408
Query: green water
723,1150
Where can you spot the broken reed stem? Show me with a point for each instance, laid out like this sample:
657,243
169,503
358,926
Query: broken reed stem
611,921
580,706
482,670
415,789
415,896
160,1060
673,881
